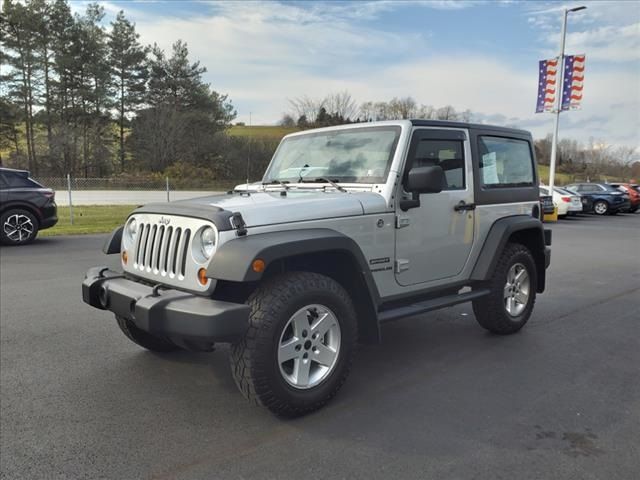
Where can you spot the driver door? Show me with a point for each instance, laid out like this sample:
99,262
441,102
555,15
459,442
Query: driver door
433,240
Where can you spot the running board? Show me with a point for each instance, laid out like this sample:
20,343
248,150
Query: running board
429,305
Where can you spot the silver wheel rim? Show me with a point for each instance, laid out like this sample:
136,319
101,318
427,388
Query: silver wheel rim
18,227
600,208
309,346
517,290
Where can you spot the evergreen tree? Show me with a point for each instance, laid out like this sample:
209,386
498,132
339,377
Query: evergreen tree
19,31
183,114
129,71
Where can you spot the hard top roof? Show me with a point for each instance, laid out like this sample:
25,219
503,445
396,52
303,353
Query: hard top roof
23,173
478,126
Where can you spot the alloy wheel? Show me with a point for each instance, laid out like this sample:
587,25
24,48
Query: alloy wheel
517,289
18,228
309,346
600,208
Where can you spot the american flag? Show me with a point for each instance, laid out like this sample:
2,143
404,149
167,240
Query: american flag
573,82
547,85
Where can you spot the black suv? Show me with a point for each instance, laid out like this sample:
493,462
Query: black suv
25,207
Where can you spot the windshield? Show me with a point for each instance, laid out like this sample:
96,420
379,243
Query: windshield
359,155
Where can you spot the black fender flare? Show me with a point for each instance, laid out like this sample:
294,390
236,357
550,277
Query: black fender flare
500,233
113,241
233,262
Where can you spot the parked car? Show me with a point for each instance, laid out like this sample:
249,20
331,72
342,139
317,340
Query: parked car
576,203
546,204
404,216
633,192
606,198
26,207
566,202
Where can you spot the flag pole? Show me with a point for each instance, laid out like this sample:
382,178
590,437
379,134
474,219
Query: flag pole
558,99
558,106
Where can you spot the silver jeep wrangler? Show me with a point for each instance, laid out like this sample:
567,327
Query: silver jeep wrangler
351,226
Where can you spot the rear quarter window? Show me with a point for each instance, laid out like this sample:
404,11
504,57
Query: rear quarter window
505,162
18,181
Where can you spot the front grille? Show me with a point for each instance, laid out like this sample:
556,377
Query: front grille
162,249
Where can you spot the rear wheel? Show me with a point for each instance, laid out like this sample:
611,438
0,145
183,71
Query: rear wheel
145,339
601,207
18,227
298,349
509,304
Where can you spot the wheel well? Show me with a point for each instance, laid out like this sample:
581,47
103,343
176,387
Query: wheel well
534,241
344,269
21,206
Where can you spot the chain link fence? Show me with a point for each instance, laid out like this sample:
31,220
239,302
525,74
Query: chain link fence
77,191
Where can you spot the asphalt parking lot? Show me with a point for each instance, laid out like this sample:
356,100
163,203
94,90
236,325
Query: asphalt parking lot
440,398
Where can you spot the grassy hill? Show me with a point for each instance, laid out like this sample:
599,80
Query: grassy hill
274,132
561,178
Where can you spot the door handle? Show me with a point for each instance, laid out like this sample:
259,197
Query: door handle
463,206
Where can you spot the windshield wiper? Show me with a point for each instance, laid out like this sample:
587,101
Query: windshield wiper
326,180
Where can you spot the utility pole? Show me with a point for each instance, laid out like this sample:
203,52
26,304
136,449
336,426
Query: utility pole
558,100
249,151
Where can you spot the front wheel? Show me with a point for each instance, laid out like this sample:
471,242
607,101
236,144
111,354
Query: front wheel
601,207
508,306
298,349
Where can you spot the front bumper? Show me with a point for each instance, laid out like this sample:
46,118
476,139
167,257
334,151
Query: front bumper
163,311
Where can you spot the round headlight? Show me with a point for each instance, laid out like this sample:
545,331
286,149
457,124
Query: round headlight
207,242
133,227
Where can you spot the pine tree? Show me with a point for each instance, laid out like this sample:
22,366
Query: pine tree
129,72
18,30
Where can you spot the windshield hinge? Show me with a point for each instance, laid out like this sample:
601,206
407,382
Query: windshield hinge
402,265
402,221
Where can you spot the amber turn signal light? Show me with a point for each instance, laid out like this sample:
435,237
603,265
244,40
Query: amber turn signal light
258,265
125,257
202,276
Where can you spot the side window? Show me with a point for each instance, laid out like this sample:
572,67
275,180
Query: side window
505,162
19,181
448,154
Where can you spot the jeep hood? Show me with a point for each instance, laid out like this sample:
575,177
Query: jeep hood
267,208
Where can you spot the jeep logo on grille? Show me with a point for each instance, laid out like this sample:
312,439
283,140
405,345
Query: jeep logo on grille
164,220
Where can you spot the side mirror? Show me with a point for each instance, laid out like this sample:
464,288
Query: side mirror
425,179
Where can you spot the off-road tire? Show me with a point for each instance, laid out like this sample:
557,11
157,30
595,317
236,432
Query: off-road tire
490,311
145,339
254,361
604,211
5,240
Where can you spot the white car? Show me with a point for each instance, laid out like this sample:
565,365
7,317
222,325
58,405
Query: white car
566,202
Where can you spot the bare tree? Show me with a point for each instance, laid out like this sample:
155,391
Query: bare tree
402,108
368,111
446,113
341,104
426,112
305,107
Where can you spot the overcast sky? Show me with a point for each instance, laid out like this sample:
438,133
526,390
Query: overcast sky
480,55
